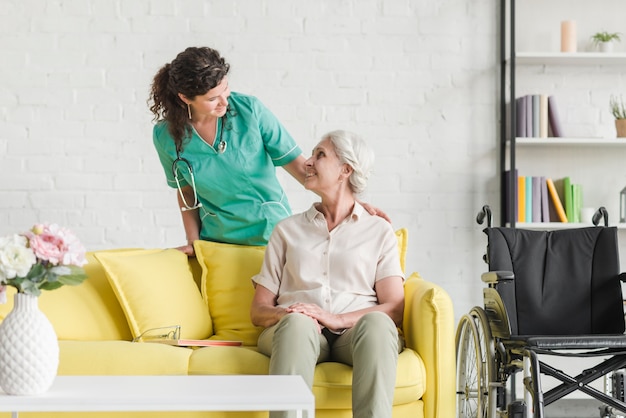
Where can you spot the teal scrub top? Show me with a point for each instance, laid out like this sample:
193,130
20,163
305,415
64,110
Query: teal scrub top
241,197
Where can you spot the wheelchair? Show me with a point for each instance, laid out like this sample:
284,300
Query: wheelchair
548,293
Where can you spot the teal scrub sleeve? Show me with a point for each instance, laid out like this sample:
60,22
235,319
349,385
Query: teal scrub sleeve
166,150
279,144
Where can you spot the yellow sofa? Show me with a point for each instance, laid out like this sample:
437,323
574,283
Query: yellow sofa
129,292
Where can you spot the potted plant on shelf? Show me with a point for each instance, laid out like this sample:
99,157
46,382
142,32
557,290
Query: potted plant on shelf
618,109
604,40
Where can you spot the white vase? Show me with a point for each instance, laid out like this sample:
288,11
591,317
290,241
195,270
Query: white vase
29,349
606,46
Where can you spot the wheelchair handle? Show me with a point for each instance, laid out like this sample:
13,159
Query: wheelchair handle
600,213
484,212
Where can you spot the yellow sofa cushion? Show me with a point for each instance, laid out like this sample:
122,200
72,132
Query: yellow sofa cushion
228,360
156,289
227,288
332,384
121,358
402,235
89,311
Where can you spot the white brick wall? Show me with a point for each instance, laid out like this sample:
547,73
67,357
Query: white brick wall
417,78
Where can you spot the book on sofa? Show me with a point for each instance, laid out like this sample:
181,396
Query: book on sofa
196,343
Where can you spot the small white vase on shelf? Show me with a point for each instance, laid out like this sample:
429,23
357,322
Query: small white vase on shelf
605,46
29,349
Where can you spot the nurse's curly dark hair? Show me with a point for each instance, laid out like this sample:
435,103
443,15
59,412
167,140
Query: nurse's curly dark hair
193,72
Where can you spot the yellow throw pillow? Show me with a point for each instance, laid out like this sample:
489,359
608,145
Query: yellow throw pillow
227,287
89,311
403,236
156,289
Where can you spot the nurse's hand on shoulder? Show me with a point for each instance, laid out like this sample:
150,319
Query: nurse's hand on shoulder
187,249
375,211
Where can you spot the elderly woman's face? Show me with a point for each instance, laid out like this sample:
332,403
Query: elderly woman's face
323,168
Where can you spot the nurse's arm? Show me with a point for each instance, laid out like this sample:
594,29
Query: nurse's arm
297,169
191,221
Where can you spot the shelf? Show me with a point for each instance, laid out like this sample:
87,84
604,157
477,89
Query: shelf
570,58
583,142
540,226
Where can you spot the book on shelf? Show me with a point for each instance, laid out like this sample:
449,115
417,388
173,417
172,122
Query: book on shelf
529,198
537,199
557,211
521,199
545,207
510,200
577,201
554,122
520,114
543,116
536,110
569,201
529,116
536,116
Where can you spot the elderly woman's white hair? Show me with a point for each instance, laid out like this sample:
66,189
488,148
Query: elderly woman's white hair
351,149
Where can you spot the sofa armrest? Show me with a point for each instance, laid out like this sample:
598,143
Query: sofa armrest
429,330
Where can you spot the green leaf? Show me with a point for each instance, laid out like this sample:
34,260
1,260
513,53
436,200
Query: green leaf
30,288
61,270
51,277
17,282
51,285
72,279
36,273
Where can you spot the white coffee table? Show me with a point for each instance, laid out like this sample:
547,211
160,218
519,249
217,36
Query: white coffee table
168,393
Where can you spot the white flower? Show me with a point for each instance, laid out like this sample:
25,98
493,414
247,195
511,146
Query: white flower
44,258
16,259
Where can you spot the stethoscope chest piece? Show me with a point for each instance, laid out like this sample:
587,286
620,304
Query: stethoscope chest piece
221,147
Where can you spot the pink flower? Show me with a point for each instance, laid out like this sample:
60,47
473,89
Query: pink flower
56,245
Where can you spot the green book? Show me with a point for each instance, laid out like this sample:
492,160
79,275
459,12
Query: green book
577,197
569,199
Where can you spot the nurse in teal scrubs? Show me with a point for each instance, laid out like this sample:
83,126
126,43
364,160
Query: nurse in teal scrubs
220,149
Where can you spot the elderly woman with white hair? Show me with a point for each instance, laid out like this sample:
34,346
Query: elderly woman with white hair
331,285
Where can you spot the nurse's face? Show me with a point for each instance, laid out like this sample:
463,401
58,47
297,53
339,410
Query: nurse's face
213,103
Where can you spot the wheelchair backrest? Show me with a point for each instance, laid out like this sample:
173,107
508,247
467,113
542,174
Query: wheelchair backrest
566,281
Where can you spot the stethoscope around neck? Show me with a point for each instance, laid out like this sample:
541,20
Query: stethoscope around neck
221,148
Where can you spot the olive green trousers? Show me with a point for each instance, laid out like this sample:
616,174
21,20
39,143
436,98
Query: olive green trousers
371,347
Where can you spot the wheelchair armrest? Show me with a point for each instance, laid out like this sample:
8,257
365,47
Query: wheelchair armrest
497,276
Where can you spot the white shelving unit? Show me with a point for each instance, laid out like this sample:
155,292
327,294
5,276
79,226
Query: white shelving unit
573,142
559,225
549,154
570,58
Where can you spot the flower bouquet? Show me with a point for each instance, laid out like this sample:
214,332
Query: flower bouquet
44,258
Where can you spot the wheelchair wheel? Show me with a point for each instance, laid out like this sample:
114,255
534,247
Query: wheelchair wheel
476,369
